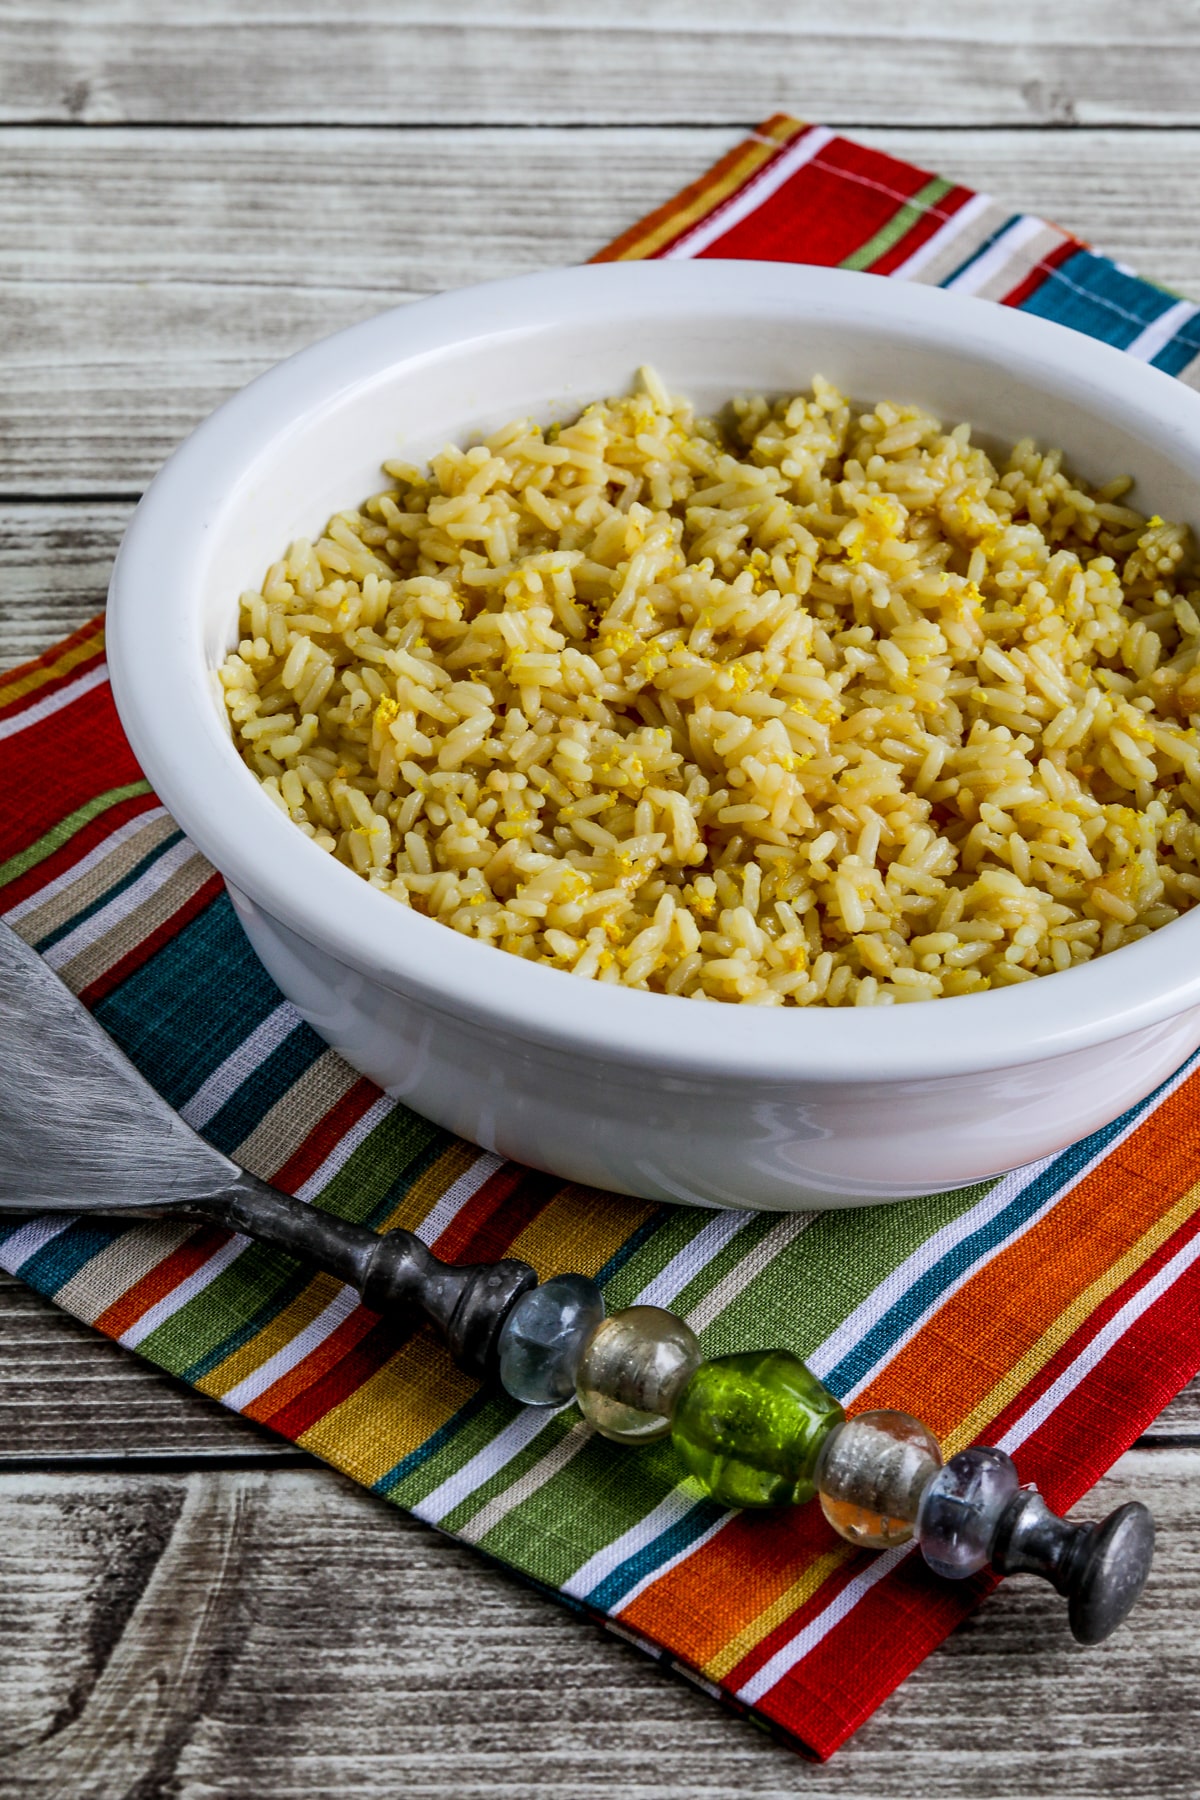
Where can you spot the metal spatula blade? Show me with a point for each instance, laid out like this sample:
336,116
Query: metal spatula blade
80,1129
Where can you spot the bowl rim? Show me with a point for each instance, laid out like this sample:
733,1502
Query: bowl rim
164,698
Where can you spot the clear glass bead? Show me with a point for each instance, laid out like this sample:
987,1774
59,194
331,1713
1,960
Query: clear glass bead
632,1371
871,1475
961,1509
749,1427
543,1338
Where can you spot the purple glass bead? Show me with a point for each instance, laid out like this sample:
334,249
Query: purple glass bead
961,1508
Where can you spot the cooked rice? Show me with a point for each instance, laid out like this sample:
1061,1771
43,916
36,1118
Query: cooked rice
806,706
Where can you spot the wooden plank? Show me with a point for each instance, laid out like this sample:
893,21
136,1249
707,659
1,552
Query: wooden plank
148,276
234,1634
55,561
67,1392
389,61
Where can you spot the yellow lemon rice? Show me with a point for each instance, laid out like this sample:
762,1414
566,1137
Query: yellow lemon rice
801,705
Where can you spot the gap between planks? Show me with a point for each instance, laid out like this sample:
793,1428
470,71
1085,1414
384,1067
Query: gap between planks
410,126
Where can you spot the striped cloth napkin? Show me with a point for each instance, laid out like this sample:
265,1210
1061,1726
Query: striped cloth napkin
1053,1312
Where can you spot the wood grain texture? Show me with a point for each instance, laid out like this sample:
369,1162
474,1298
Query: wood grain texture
290,1635
160,1662
139,290
551,61
68,1393
55,561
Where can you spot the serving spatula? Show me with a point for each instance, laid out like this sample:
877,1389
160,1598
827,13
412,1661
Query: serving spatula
81,1131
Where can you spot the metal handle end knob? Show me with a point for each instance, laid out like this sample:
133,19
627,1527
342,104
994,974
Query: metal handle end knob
1100,1569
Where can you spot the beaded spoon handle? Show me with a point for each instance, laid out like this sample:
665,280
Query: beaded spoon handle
753,1429
757,1429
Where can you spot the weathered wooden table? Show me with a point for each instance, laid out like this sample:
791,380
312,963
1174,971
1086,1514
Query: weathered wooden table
190,189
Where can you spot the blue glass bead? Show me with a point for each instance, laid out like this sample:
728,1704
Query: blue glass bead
543,1336
961,1508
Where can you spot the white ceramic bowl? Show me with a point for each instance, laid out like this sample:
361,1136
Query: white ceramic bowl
652,1095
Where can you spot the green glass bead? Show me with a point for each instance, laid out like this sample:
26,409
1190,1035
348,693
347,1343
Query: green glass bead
632,1370
750,1426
